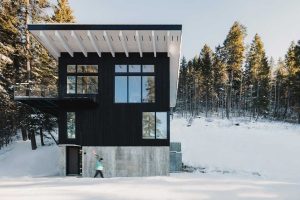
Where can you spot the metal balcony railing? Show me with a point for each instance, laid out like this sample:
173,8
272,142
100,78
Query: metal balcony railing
34,91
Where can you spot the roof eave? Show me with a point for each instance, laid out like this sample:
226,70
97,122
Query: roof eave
170,27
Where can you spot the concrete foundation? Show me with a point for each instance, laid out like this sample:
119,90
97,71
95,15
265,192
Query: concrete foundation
62,161
127,161
175,157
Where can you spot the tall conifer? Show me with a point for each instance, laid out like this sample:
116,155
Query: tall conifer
234,55
63,13
258,70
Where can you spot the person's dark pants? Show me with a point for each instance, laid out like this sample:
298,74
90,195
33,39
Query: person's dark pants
98,172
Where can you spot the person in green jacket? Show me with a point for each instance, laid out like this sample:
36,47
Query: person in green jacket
99,166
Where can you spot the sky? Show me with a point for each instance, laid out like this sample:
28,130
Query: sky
203,21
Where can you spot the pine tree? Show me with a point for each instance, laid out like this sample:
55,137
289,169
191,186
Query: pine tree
181,91
219,76
205,64
292,69
63,13
234,55
297,81
14,53
280,89
12,58
258,68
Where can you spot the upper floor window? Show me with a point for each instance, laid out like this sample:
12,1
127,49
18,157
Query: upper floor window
82,79
134,84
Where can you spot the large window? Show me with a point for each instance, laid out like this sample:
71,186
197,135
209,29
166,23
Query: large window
134,89
134,84
121,89
148,89
82,79
71,132
155,125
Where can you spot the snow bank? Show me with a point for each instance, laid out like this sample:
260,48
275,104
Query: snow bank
269,149
19,160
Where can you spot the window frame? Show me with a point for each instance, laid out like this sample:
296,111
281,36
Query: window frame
140,74
155,126
76,74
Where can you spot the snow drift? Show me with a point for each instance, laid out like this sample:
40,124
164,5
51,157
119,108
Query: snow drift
268,149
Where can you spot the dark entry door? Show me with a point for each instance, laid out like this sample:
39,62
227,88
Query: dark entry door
73,160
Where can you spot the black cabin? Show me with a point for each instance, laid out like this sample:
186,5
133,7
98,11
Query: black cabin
116,85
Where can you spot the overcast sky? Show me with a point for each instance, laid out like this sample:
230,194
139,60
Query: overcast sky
204,21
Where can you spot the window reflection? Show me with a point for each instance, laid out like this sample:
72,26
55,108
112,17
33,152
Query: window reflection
71,84
148,68
87,84
71,68
87,68
134,89
121,89
155,125
120,68
149,125
71,134
134,68
83,79
148,89
161,125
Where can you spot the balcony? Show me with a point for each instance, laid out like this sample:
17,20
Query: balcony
48,99
30,91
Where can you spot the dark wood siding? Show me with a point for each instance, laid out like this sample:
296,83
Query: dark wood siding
111,124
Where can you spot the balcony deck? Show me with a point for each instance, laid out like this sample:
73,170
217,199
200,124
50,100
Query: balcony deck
47,99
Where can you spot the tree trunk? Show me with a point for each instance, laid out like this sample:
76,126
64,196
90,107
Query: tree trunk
24,133
206,104
42,136
56,142
33,141
228,101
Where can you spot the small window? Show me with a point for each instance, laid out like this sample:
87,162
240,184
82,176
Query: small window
148,68
71,84
121,68
71,68
87,69
121,89
71,130
155,125
148,89
135,68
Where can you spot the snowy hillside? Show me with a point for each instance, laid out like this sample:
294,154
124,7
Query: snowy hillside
267,149
19,160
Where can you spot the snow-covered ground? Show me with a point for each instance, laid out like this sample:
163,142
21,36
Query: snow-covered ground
250,161
18,160
267,149
176,187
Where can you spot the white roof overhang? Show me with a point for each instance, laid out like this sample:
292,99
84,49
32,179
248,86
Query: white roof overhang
70,38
